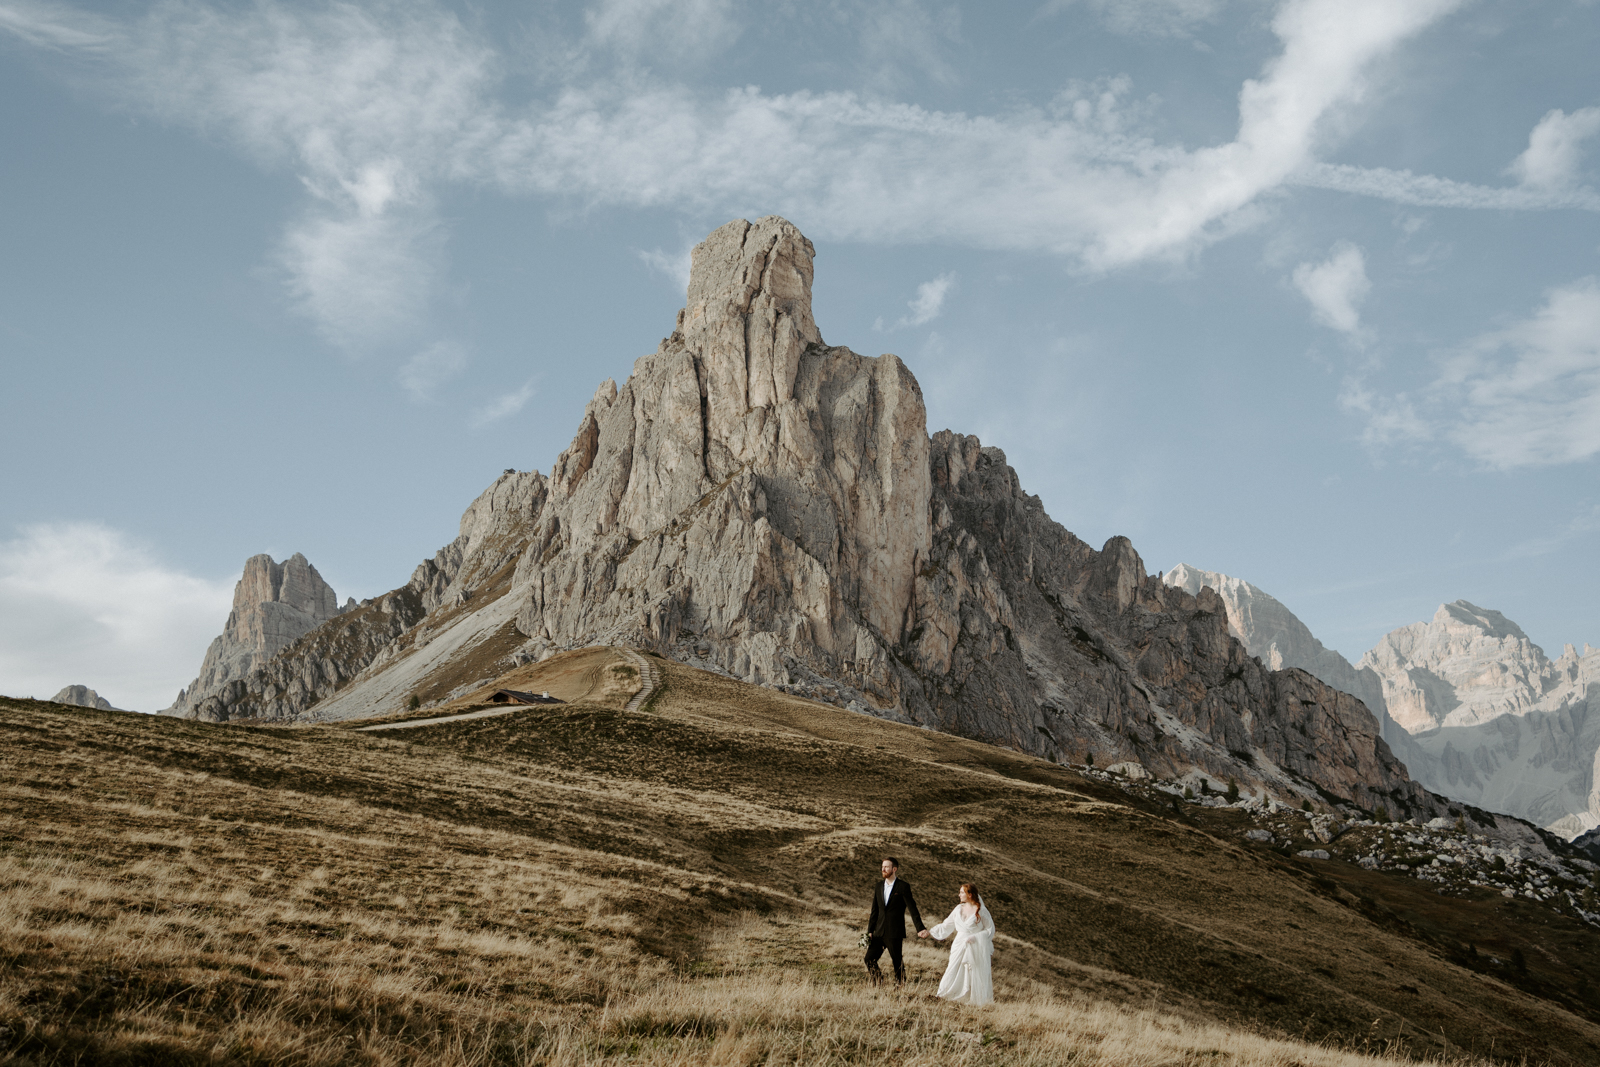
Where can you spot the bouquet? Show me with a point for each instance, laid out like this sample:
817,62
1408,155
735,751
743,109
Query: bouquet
863,940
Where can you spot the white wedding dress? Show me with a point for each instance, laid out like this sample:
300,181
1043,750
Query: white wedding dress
967,979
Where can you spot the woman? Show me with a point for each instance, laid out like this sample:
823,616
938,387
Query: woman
967,979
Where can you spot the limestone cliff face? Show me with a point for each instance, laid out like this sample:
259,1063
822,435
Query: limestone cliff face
1270,630
748,485
754,500
758,501
273,605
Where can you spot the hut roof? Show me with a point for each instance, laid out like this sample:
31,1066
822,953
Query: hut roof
515,696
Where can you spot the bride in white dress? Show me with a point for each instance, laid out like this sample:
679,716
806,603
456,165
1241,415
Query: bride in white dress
967,979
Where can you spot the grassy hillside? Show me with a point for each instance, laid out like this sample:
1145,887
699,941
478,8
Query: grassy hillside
685,884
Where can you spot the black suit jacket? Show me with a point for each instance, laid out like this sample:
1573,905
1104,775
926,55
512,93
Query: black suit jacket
888,921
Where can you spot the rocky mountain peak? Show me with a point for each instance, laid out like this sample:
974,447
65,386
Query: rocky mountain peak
273,605
754,501
83,697
1466,618
1464,666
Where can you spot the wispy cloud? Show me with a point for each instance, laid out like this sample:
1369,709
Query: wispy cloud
85,605
1390,420
902,40
424,372
1580,525
377,108
1424,190
1336,288
645,30
1547,174
372,107
672,266
1080,181
1529,395
503,406
927,304
55,27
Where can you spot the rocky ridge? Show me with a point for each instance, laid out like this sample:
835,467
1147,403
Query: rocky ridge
1485,717
757,501
274,604
384,630
1465,849
83,697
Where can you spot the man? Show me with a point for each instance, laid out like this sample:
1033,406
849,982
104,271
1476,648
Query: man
886,926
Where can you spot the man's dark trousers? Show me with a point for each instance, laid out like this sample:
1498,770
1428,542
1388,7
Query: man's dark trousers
886,928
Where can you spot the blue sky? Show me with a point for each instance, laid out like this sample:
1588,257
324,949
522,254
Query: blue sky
1305,292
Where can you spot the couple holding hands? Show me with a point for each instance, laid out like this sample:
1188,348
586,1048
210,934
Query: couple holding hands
967,979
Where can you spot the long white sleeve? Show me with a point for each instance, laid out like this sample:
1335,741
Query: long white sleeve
947,928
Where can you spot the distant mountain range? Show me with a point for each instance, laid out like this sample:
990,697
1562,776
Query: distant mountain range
1476,710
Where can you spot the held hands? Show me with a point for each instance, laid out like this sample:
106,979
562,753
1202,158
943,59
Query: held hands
924,933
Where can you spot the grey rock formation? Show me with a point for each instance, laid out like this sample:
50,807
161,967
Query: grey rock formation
756,501
1275,635
84,697
1492,721
273,605
1273,632
471,571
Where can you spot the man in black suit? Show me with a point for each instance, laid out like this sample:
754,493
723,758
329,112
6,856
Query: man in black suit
886,926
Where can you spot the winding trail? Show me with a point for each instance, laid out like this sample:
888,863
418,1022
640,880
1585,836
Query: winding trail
649,678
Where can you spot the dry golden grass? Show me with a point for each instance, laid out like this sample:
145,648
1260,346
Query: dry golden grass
682,884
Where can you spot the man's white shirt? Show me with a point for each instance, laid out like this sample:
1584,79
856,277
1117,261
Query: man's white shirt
888,887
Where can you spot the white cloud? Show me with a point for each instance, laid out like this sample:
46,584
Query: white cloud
1426,190
930,299
1390,420
376,108
371,107
55,27
1529,395
503,407
1160,18
432,367
363,277
1336,288
675,267
927,304
1074,182
1555,148
84,605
